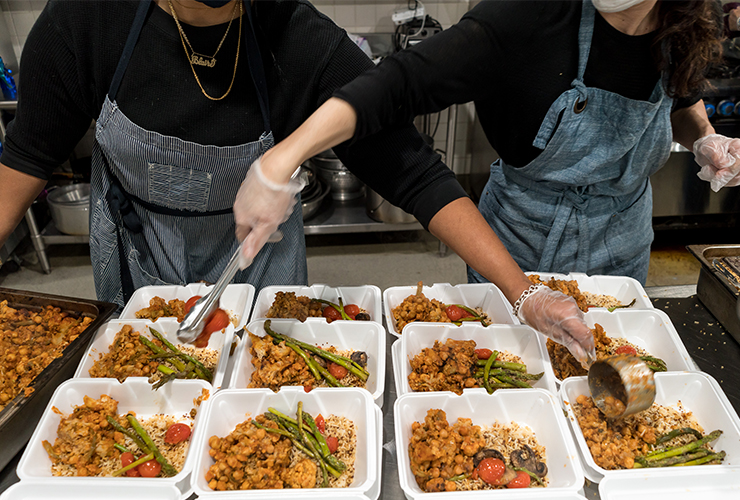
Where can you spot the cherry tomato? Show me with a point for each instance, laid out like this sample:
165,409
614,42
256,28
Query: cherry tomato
338,371
626,349
456,313
483,353
332,443
191,302
491,470
127,459
352,310
307,388
218,320
521,480
150,468
177,433
331,314
320,423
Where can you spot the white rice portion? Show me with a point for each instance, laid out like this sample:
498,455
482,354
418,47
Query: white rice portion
601,300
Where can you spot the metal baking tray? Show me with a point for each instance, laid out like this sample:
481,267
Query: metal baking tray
714,289
18,419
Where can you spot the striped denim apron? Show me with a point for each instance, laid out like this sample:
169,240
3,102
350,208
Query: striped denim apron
161,207
585,203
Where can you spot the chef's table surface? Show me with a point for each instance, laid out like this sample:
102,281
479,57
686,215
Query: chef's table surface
714,350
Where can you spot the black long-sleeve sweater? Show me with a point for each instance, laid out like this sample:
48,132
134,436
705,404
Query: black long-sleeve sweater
73,49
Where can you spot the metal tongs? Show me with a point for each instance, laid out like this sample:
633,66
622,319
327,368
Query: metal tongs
621,385
194,321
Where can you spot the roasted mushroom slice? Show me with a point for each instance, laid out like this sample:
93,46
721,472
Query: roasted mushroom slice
362,317
359,357
526,458
487,453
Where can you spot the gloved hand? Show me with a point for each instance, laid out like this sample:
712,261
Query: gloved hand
260,207
718,157
557,316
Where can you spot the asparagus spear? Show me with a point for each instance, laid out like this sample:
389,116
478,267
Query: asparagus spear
670,461
530,473
136,463
167,469
134,437
350,365
487,371
679,450
302,434
309,362
507,365
508,380
199,367
678,432
703,460
339,308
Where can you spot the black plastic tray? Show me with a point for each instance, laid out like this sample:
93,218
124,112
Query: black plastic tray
19,418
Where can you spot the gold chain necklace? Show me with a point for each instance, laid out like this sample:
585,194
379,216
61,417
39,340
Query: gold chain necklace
196,57
236,62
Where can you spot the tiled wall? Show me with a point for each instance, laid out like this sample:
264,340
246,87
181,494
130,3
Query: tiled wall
356,16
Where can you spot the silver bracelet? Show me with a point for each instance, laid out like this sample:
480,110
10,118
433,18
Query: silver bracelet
526,293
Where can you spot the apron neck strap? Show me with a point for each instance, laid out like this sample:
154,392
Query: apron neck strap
585,35
256,69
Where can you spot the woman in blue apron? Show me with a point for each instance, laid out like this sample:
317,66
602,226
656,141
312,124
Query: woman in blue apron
162,210
582,199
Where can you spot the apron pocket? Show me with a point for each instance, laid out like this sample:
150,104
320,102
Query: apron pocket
139,276
179,188
629,234
103,240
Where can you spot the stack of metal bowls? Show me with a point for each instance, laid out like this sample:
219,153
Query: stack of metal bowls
70,208
343,184
313,193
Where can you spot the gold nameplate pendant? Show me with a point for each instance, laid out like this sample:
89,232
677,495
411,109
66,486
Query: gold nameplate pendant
200,60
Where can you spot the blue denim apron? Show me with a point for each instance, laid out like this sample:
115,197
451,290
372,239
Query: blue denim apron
585,203
161,207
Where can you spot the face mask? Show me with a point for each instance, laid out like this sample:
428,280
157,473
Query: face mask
609,6
214,3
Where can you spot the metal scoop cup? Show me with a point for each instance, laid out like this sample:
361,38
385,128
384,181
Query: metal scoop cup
621,385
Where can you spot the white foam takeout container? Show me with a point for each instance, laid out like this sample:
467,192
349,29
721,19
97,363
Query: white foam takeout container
230,407
236,300
30,490
367,336
651,330
717,484
484,295
697,392
623,288
104,337
366,297
516,339
534,408
132,395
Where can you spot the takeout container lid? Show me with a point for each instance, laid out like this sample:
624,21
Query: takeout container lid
365,336
236,300
219,341
534,408
366,297
484,295
31,490
697,392
230,407
132,395
650,329
717,483
516,339
623,288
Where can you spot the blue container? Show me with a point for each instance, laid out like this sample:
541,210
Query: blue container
7,83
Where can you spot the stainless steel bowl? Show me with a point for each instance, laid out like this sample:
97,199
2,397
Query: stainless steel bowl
70,208
310,205
344,185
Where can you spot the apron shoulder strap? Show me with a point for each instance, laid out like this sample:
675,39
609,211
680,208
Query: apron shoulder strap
128,49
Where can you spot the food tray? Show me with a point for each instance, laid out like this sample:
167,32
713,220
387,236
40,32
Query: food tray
717,484
714,290
516,339
236,299
697,392
165,326
535,408
132,395
21,414
623,288
229,407
483,295
366,297
651,330
367,336
30,490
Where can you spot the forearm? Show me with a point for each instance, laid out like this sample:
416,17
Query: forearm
690,124
461,227
333,123
17,192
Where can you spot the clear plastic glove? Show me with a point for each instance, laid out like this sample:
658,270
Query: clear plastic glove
718,157
558,317
260,207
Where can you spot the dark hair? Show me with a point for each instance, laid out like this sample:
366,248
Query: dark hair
688,42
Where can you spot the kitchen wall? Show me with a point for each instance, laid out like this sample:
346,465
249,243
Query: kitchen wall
356,16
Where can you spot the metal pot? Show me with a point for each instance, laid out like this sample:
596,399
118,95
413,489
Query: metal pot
344,185
381,210
70,208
